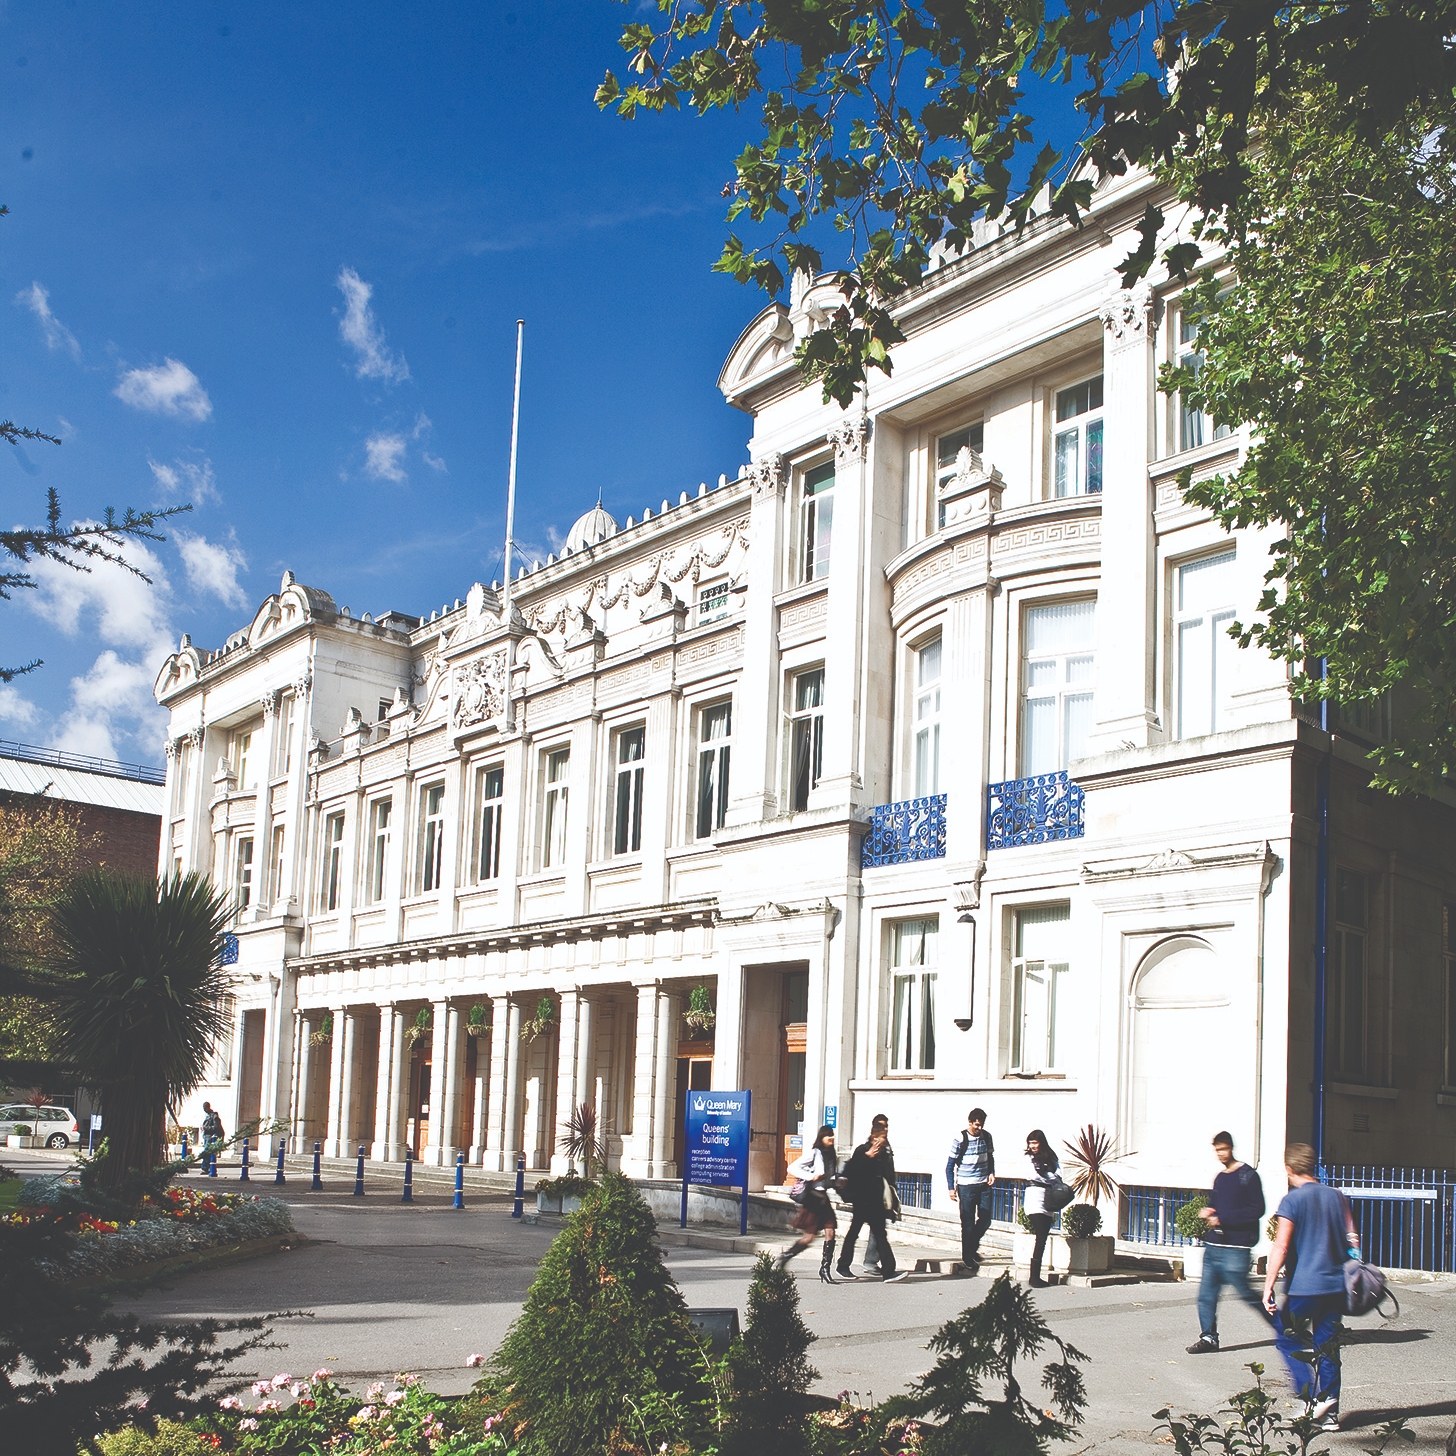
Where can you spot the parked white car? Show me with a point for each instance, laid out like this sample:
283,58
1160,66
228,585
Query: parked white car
55,1127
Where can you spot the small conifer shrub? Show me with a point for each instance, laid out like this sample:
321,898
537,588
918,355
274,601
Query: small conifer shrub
770,1367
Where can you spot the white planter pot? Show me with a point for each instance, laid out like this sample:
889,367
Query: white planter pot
1090,1256
554,1203
1192,1257
1054,1259
12,1140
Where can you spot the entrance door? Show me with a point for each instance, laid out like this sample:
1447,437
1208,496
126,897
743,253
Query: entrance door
694,1074
793,1062
250,1079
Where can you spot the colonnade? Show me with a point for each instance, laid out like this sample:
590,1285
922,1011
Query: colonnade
614,1047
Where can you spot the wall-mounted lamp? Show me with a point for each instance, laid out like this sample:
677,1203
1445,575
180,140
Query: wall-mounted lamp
964,1022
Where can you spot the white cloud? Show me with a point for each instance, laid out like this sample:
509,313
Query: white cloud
113,696
193,477
57,336
382,456
433,461
212,567
170,388
16,709
360,330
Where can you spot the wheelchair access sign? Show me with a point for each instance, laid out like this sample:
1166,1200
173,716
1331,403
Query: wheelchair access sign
715,1145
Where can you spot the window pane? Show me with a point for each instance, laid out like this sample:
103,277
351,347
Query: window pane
929,662
823,533
707,792
1039,726
1350,897
1018,1014
1071,402
809,690
1066,463
1208,582
1042,674
1195,679
1043,931
1094,456
717,721
900,1027
630,745
1064,627
819,480
1078,711
1224,663
927,1023
1079,669
1094,393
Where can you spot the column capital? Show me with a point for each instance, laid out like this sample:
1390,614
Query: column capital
849,436
1127,314
768,475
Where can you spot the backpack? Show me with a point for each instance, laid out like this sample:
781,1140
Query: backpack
1366,1289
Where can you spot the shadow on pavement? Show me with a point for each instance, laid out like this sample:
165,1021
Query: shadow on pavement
1358,1420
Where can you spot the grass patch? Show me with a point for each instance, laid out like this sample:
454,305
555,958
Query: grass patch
9,1194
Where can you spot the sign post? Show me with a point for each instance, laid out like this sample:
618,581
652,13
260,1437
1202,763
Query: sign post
716,1145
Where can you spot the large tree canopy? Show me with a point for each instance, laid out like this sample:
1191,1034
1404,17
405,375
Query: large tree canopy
898,119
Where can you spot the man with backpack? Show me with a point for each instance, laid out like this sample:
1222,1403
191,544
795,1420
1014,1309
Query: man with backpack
970,1174
1316,1235
212,1133
1231,1229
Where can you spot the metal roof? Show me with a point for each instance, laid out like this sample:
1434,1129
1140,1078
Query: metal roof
78,785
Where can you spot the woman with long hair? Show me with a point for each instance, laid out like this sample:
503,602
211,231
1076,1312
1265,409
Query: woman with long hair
817,1170
1043,1169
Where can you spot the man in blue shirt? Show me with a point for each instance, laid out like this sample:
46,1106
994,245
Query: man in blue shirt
970,1174
1316,1235
1230,1231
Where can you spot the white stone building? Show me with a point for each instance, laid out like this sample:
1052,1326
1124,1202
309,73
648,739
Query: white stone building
918,746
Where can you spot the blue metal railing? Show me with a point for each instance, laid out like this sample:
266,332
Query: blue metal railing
59,758
1147,1214
1406,1216
1033,811
229,956
914,1189
1006,1195
900,833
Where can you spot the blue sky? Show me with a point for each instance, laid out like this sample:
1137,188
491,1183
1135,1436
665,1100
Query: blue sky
268,258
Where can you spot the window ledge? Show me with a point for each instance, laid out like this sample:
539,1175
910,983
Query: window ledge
1197,455
1036,1076
1360,1089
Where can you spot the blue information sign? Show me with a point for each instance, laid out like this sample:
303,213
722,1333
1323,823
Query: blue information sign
831,1116
715,1145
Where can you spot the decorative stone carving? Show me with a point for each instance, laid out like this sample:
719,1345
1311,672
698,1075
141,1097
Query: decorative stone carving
302,685
966,894
270,701
849,436
1127,312
972,492
479,691
768,475
196,735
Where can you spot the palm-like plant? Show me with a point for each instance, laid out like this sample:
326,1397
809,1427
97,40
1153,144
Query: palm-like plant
138,991
581,1138
1087,1161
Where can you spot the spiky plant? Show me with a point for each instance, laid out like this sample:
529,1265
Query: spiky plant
137,990
580,1141
770,1367
1087,1161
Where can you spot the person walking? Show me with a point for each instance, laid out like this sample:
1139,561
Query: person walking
869,1180
970,1174
1316,1234
212,1133
1230,1231
1043,1172
818,1169
871,1266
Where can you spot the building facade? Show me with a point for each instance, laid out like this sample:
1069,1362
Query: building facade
910,768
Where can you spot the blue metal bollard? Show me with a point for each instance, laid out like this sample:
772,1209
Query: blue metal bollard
278,1177
359,1176
184,1144
212,1162
520,1186
408,1196
459,1180
318,1183
243,1175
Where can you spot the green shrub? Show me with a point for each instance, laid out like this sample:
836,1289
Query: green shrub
1081,1220
769,1366
604,1336
1187,1221
168,1439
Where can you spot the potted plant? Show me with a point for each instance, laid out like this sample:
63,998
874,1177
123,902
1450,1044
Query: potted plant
1087,1162
21,1137
325,1031
419,1027
700,1014
563,1194
477,1023
1190,1225
541,1022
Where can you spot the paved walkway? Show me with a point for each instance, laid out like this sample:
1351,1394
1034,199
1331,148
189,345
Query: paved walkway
390,1287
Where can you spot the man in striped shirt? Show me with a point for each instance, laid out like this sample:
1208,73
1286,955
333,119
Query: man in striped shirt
970,1174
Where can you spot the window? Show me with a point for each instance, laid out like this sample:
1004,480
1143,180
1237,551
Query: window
712,602
432,838
912,992
283,737
1077,440
1346,992
181,772
333,860
1056,713
1205,592
927,719
627,817
380,813
1040,963
222,1048
1194,427
489,807
816,521
947,448
385,704
1448,955
715,747
242,759
275,866
553,818
806,740
1370,718
177,867
243,875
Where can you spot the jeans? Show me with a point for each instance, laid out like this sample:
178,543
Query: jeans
1041,1226
975,1206
871,1263
1308,1322
1224,1264
867,1216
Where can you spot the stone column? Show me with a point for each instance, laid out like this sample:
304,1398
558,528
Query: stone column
511,1101
481,1107
384,1082
454,1081
333,1131
430,1154
1127,629
637,1158
263,887
754,781
307,1025
502,1063
399,1079
565,1080
664,1116
348,1085
586,1061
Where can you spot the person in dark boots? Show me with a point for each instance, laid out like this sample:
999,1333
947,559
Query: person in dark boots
870,1269
816,1172
869,1180
1041,1172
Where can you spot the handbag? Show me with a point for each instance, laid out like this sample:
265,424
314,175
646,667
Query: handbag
1057,1196
797,1191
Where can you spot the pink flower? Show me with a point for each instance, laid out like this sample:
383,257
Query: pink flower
375,1390
300,1389
490,1423
279,1381
230,1402
247,1424
267,1405
394,1397
408,1380
474,1360
322,1374
366,1413
261,1387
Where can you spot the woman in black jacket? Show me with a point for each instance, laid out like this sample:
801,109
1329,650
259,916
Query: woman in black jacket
869,1185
